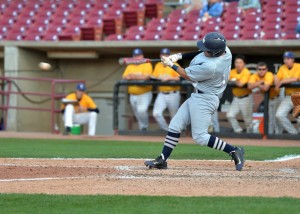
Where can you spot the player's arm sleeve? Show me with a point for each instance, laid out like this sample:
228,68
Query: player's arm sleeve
252,79
279,74
148,69
199,72
63,106
155,71
190,55
92,105
245,78
127,70
269,80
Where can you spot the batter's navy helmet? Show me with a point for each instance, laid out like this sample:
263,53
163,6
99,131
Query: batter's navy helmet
212,42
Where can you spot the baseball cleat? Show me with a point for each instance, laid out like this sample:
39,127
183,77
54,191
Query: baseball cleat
238,157
157,163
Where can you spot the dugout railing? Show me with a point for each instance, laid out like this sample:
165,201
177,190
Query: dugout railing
187,89
10,86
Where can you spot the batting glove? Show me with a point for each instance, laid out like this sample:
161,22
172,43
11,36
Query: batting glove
166,61
175,57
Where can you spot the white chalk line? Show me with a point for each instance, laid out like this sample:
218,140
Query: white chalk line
284,158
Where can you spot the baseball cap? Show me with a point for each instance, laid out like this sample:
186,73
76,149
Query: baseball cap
165,51
137,51
289,54
80,87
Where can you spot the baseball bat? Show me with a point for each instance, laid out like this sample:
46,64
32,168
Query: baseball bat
127,61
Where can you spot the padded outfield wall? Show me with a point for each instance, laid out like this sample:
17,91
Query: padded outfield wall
97,64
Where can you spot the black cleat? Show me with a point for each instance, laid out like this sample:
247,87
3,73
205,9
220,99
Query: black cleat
157,163
67,131
238,157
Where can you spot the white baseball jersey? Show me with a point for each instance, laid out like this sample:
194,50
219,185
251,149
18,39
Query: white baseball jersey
210,77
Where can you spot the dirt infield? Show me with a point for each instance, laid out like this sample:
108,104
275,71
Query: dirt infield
130,177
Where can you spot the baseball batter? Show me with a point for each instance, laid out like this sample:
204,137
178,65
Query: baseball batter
168,96
209,72
79,108
139,96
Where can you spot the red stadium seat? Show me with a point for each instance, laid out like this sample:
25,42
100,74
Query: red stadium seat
152,35
290,35
114,37
250,34
292,3
273,2
171,27
193,27
167,35
134,14
231,35
270,34
91,33
231,27
190,35
192,16
134,33
113,22
154,8
271,26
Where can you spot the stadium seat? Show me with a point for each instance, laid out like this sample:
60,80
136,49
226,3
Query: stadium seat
91,33
270,34
114,37
156,25
290,35
134,33
266,3
193,27
171,27
192,16
250,34
154,8
190,35
271,26
231,35
152,35
113,22
167,35
231,26
134,14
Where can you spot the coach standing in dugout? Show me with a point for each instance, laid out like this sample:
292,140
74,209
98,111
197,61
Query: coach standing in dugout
139,96
289,72
168,96
79,108
242,97
263,80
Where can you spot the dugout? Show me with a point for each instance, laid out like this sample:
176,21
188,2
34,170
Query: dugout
97,64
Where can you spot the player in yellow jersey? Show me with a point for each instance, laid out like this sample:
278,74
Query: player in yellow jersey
242,97
289,72
263,80
168,96
139,96
79,108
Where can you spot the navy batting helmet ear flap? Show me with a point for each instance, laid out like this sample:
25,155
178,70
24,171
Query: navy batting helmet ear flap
213,42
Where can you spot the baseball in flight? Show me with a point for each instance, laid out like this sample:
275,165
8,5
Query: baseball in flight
44,66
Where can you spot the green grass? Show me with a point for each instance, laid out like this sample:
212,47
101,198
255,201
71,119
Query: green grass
20,203
43,148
